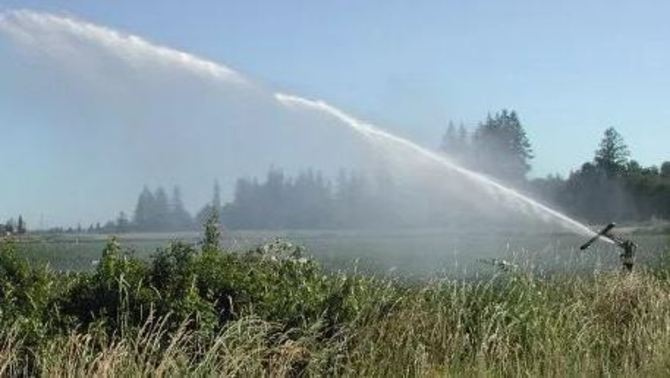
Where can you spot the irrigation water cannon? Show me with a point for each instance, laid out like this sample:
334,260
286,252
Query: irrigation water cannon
627,256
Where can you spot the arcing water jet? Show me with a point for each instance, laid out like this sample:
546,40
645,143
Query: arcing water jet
374,133
46,31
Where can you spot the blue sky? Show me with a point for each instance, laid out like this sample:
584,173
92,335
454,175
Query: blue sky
570,68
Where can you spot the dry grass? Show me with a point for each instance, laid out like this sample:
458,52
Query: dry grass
284,317
608,325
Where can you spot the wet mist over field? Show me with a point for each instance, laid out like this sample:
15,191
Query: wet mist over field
180,118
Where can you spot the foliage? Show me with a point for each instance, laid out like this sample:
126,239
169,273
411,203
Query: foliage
498,147
306,201
272,311
155,212
613,153
501,147
212,233
455,142
612,187
12,227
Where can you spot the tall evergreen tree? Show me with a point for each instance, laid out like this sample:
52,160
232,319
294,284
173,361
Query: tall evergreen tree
665,169
180,218
144,210
216,200
502,148
463,138
213,206
122,222
613,154
455,142
21,226
449,144
210,243
10,226
161,212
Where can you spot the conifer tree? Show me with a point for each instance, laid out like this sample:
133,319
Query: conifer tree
450,142
160,213
21,226
180,218
502,148
613,154
143,210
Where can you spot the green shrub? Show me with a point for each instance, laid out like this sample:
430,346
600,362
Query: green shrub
271,311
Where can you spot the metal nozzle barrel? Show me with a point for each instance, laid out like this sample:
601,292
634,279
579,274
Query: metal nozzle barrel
602,232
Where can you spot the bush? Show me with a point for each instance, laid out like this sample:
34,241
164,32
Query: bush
271,311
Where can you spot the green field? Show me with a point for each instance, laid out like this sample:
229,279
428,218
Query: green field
421,253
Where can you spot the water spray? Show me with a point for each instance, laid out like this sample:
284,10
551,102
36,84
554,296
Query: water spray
376,134
41,30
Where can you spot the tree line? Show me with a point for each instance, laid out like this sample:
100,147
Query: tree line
497,147
308,200
13,227
154,211
611,187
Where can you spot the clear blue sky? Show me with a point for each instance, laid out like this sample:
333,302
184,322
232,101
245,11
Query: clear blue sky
570,68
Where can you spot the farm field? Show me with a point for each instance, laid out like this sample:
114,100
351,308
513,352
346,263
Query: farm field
409,253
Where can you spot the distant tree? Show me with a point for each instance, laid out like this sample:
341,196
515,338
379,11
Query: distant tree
274,193
455,142
351,199
613,154
122,223
613,187
651,171
180,218
213,206
216,200
502,148
144,210
551,188
307,201
160,213
633,168
463,138
21,226
210,242
588,193
665,169
10,226
109,227
449,143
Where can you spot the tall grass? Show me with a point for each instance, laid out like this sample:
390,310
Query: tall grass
270,312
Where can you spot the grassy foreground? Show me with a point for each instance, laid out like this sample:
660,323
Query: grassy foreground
270,312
